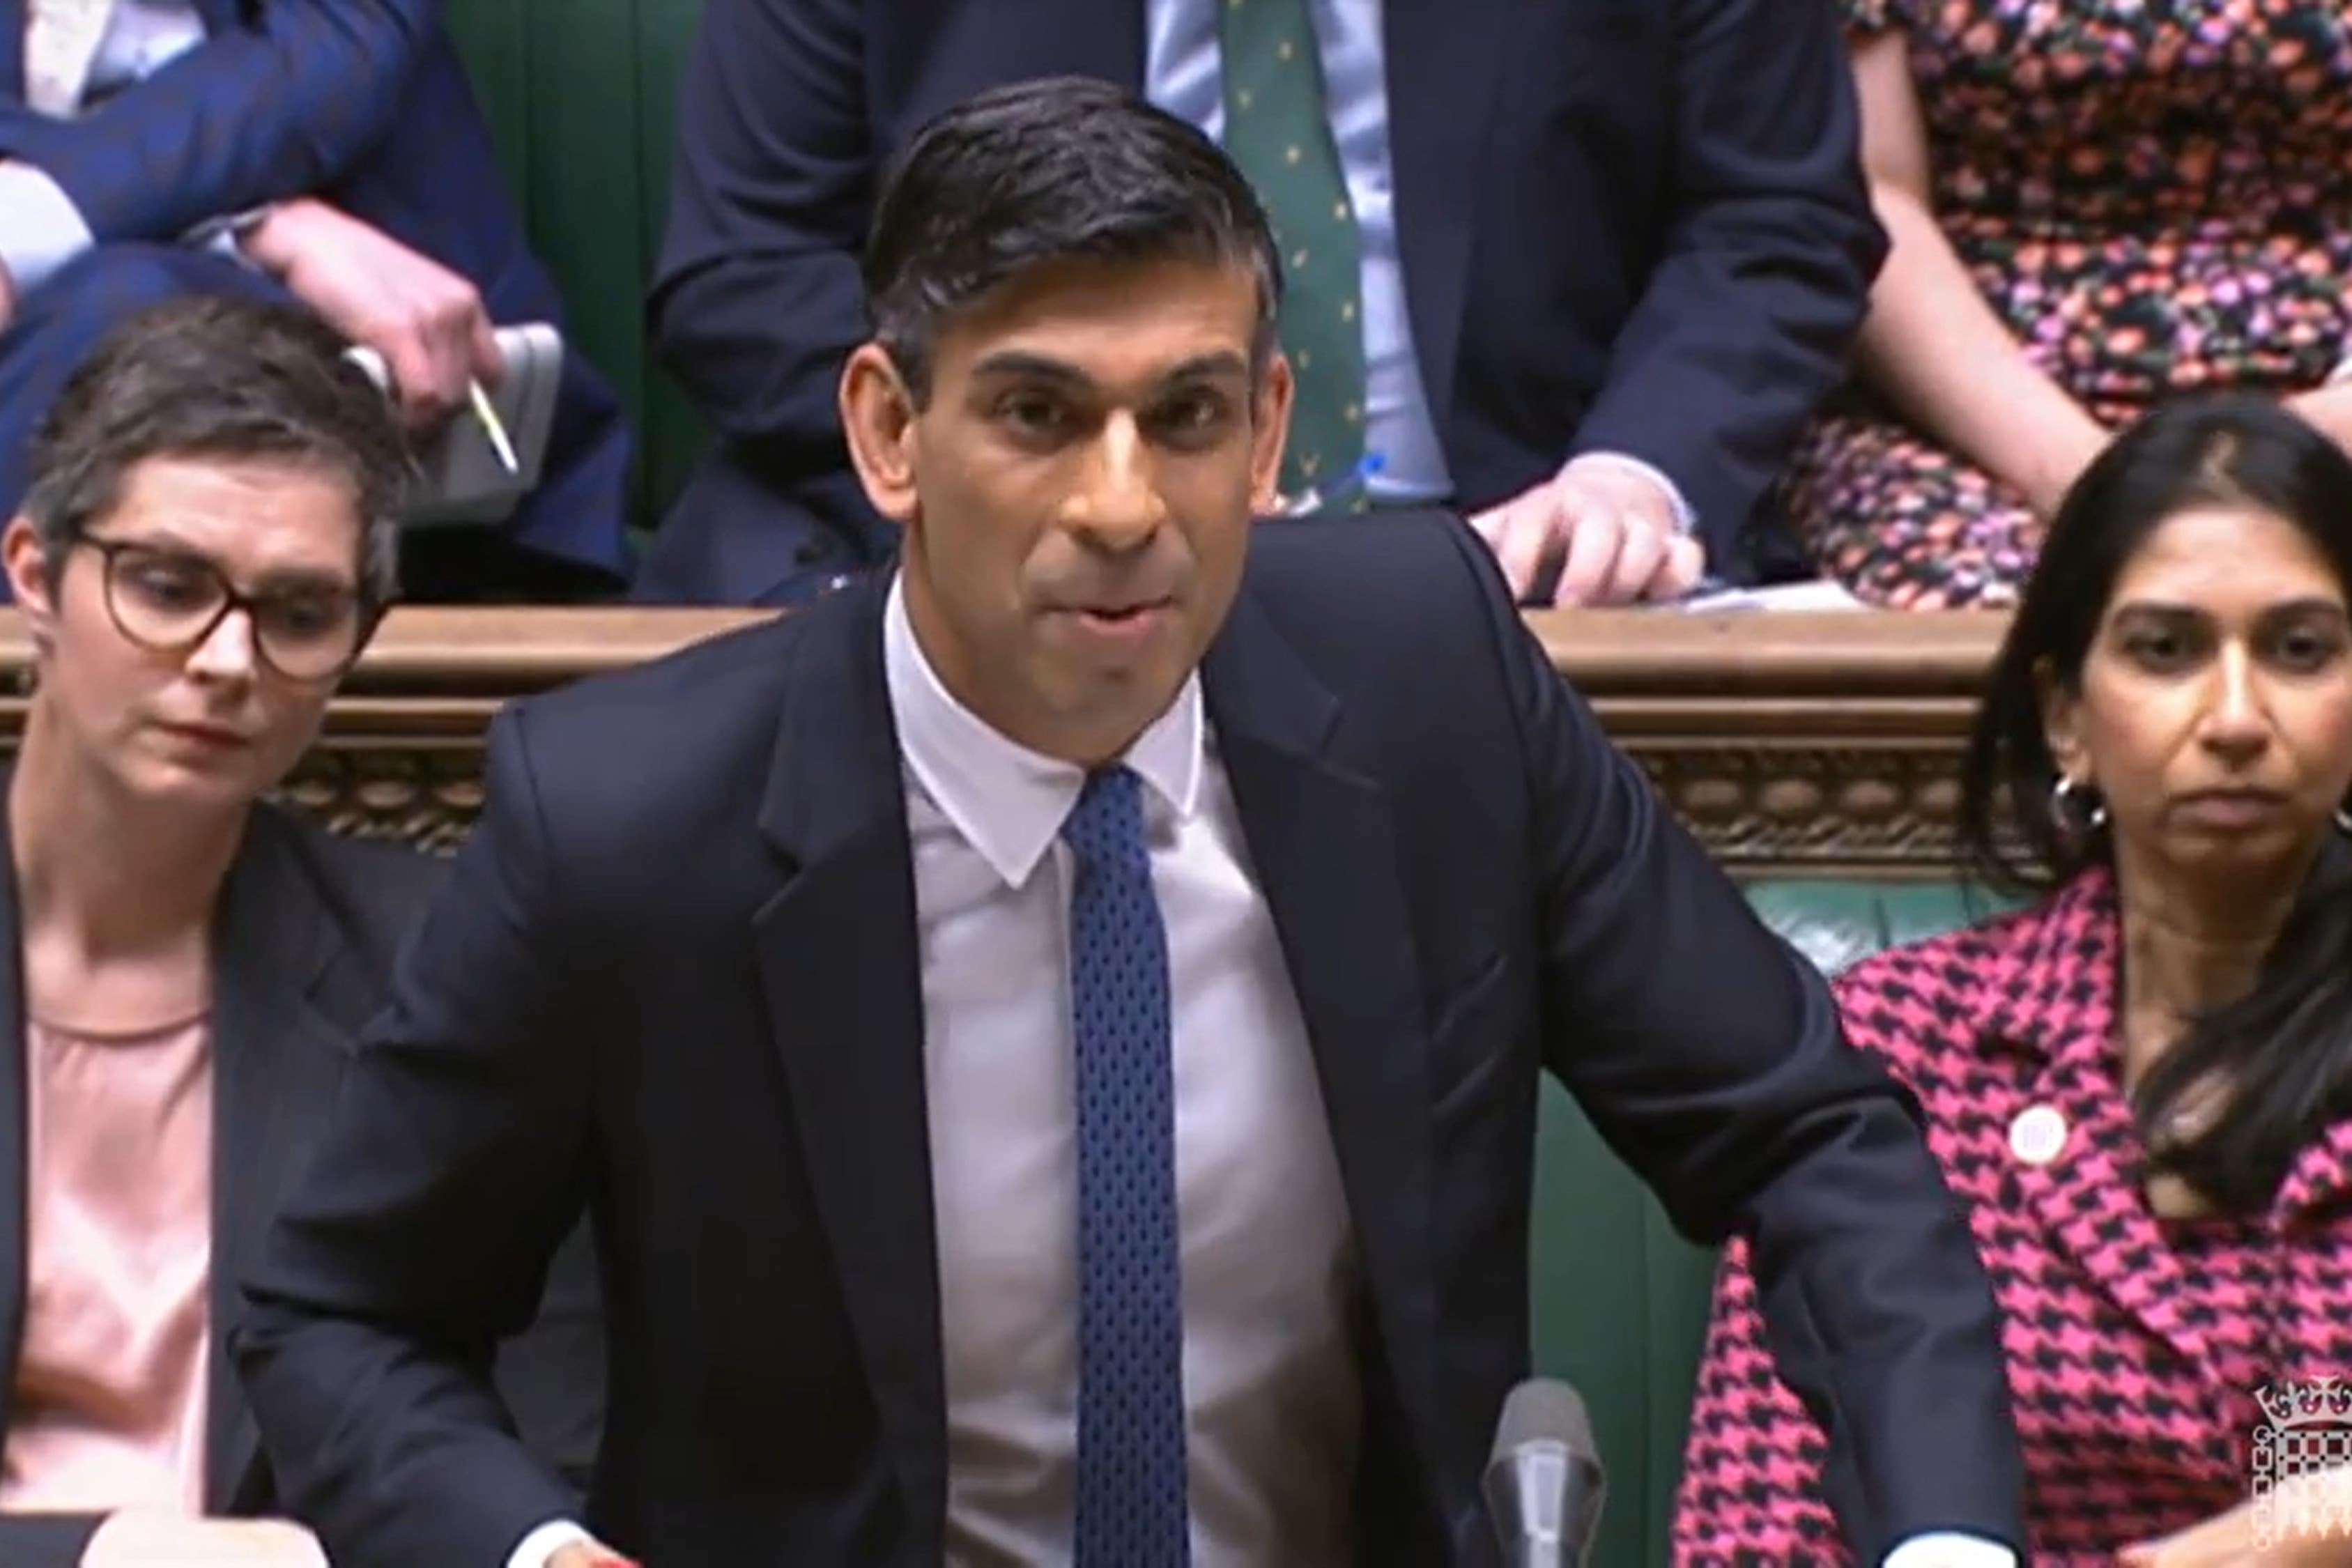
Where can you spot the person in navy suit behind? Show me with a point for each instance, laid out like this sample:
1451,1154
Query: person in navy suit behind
329,149
1598,259
1050,1035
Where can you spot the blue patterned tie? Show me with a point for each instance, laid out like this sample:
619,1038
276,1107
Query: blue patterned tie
1131,1511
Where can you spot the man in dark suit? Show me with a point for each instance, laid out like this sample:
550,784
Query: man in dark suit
1578,270
1050,1037
329,149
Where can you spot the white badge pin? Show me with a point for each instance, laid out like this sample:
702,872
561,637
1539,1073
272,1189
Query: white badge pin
2038,1134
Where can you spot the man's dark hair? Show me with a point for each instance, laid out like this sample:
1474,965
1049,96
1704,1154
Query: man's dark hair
1059,169
204,376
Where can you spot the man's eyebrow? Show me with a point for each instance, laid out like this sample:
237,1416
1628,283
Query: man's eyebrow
1038,366
1207,366
1026,363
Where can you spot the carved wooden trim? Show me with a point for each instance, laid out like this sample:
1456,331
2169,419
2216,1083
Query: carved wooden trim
1814,744
1819,745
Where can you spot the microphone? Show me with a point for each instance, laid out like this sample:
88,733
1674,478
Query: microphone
1544,1485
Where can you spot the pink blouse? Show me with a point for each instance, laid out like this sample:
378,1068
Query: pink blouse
109,1398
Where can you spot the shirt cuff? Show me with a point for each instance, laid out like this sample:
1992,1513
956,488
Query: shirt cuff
43,230
1945,1549
551,1537
225,236
1685,520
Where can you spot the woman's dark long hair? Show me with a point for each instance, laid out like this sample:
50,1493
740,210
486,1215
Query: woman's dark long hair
2283,1053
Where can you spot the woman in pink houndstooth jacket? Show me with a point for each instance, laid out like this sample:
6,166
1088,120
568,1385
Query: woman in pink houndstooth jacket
2139,1084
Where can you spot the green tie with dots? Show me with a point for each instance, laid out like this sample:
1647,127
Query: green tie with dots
1277,131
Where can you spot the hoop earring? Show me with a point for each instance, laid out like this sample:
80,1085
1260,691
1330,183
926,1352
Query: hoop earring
2063,812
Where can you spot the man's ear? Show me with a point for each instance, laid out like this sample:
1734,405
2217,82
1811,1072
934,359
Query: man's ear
1269,434
877,415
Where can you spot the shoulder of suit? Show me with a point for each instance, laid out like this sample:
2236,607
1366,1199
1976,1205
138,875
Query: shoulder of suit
375,887
1380,577
1375,542
365,892
712,675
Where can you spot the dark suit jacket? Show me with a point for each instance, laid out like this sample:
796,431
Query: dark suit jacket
1637,226
307,925
364,104
683,991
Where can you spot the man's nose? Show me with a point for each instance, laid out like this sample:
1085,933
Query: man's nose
1118,504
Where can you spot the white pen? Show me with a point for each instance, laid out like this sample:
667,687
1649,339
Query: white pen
492,427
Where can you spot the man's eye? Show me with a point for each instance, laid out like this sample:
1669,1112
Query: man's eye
1032,416
1194,415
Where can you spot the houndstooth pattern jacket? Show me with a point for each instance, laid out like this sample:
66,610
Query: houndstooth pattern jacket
2136,1345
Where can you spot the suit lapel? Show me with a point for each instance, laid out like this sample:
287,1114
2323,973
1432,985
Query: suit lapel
1099,37
14,1147
1442,59
2050,996
838,960
276,1062
1323,840
2094,1209
13,17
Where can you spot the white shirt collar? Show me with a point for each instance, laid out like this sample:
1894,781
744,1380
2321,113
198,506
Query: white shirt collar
1007,801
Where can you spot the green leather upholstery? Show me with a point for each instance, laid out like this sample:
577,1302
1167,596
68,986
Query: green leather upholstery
1620,1298
580,95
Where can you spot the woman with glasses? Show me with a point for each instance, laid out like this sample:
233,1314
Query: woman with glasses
205,547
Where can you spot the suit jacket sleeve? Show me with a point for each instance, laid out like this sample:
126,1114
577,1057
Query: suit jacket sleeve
281,105
451,1170
552,1376
757,299
45,1540
1709,1056
1749,311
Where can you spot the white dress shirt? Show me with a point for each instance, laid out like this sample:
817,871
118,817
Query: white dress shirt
1183,73
1268,1256
40,228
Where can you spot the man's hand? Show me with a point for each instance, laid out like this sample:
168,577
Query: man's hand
583,1556
1615,526
2306,1527
2327,408
137,1538
427,320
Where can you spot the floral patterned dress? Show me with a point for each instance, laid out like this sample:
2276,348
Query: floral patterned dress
2156,196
